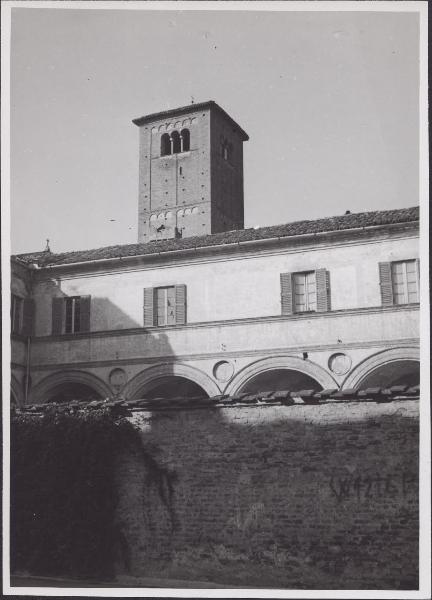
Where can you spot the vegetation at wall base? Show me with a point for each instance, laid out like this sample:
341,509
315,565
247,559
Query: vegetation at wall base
63,496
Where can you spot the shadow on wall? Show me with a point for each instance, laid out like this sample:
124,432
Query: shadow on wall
104,314
66,386
109,316
294,497
167,378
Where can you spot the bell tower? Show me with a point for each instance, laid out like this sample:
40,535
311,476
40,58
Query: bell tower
190,172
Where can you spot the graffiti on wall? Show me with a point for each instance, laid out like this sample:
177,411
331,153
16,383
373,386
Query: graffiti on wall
362,487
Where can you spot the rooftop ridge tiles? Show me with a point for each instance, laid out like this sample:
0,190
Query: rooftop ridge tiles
303,227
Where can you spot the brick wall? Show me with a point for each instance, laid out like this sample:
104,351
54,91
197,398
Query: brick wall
178,181
199,178
226,177
297,497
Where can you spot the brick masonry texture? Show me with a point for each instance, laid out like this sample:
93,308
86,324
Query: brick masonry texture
294,497
198,178
163,187
226,177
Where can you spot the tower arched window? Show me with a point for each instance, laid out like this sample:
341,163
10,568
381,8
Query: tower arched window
165,144
175,138
185,137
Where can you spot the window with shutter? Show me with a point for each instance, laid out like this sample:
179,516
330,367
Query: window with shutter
71,314
323,290
386,287
180,304
165,306
286,293
148,307
404,275
85,303
305,291
399,281
57,315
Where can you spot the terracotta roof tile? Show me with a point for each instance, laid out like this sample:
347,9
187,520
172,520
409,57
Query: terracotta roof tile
329,224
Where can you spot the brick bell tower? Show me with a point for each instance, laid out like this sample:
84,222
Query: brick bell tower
190,172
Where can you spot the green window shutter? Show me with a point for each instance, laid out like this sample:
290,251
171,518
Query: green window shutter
286,293
85,302
28,317
322,278
385,278
57,315
180,304
148,308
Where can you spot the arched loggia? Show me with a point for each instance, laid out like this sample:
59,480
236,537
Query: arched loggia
395,366
70,385
170,380
280,373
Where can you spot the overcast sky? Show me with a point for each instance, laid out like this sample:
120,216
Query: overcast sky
329,100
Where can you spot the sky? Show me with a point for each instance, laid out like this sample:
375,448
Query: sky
329,100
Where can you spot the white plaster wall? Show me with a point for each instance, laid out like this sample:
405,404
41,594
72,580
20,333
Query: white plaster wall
295,335
222,289
102,365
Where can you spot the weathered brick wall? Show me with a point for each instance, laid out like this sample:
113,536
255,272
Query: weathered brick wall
226,177
303,496
178,181
199,178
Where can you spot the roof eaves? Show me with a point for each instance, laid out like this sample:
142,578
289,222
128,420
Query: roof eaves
187,109
172,111
223,244
371,220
